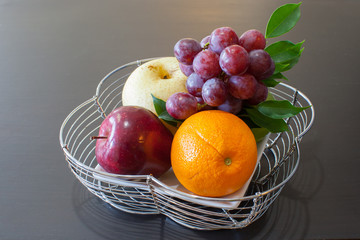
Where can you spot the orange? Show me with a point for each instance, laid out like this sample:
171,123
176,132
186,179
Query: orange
213,153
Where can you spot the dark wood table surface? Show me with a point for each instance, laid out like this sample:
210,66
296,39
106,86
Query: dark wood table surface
52,56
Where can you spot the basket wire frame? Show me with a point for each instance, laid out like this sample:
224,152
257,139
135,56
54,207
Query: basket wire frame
140,194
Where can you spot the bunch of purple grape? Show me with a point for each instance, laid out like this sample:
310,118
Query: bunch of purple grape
224,72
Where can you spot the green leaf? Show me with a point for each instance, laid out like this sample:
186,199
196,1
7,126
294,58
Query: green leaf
249,122
279,109
283,20
273,125
298,46
279,75
285,54
270,96
284,51
270,82
159,105
290,64
169,119
259,133
281,67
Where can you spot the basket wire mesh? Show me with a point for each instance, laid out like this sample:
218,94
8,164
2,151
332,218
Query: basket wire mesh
144,194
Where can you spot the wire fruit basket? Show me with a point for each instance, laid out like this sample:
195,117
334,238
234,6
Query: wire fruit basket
145,194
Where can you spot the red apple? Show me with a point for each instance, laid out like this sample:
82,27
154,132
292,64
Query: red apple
133,141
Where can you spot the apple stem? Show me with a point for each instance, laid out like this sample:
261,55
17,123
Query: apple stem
98,137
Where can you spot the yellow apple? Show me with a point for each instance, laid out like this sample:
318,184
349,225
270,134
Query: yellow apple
161,77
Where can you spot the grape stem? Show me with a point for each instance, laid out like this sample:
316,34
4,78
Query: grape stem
222,76
201,106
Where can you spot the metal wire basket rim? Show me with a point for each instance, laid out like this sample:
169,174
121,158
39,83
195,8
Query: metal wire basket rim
64,146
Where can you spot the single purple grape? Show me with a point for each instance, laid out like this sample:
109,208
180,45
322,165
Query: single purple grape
268,73
260,94
206,64
181,105
186,69
194,84
186,49
232,105
252,39
242,86
222,37
234,60
214,92
260,63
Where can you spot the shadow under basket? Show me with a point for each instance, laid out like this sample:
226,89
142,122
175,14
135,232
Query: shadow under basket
145,194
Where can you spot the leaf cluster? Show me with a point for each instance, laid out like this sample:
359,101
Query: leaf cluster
271,115
285,54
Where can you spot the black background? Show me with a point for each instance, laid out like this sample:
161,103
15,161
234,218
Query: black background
52,56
